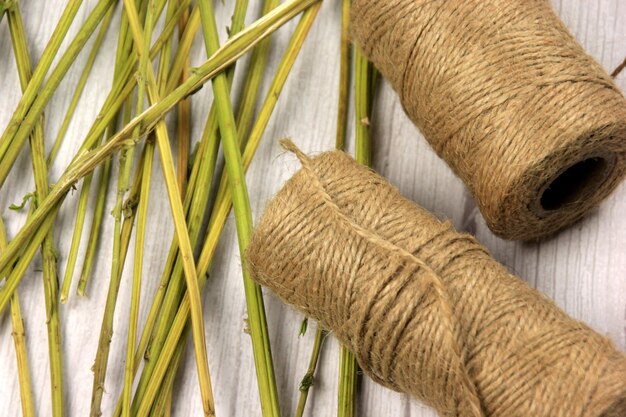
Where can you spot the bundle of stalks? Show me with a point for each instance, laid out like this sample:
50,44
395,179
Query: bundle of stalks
150,79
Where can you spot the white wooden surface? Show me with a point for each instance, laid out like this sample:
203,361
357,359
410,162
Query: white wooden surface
582,268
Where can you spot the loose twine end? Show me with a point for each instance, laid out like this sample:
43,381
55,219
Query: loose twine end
289,146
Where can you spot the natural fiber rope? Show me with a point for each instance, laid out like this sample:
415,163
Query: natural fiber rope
425,309
508,98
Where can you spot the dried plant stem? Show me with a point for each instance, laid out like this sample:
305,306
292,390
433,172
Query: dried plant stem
106,330
164,397
173,268
184,120
150,322
23,367
258,60
121,234
195,206
80,87
223,201
142,215
40,170
86,161
21,354
81,212
96,223
34,100
141,218
156,305
308,378
344,76
84,194
179,62
180,225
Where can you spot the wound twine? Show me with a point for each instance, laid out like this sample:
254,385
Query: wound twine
508,98
425,309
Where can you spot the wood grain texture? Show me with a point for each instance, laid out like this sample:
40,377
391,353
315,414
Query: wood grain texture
582,268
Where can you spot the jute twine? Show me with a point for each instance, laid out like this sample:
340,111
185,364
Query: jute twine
425,309
508,98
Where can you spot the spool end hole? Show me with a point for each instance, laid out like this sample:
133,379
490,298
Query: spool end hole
576,182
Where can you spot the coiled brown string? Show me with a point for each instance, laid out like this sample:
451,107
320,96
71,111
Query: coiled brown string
508,98
425,309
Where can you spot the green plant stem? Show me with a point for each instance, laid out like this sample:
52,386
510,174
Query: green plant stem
136,289
348,369
198,182
195,206
258,61
198,187
117,265
16,272
23,367
202,270
86,160
107,321
155,308
223,202
121,233
195,216
94,232
344,76
81,212
33,102
364,82
184,46
173,268
165,393
37,79
40,170
21,354
185,248
172,22
83,200
120,72
84,195
193,210
141,220
80,87
307,381
243,219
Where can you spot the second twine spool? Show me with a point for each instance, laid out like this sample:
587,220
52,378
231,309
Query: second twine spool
426,309
508,98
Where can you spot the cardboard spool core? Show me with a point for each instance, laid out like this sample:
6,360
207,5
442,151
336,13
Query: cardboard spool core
577,182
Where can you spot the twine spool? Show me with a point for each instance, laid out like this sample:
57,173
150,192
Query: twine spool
508,98
425,309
